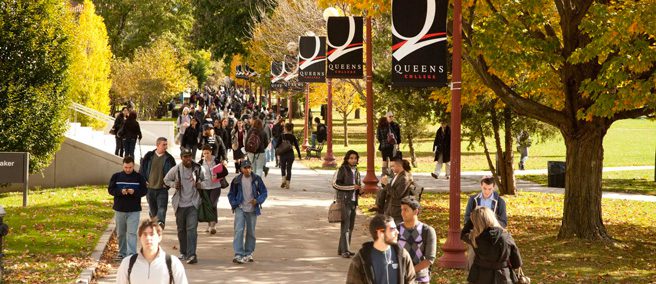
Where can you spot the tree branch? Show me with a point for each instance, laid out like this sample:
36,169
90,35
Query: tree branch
634,113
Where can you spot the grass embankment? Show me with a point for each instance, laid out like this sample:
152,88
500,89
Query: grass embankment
534,219
51,240
638,182
620,147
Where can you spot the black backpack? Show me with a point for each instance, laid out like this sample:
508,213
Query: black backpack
167,257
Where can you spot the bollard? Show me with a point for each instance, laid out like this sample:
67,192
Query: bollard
4,229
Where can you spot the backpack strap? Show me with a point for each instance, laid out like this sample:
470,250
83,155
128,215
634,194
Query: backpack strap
168,266
133,259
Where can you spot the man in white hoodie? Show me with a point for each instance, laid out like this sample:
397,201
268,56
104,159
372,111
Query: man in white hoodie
151,265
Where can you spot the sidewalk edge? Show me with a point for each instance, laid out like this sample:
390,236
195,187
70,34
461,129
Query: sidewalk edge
88,273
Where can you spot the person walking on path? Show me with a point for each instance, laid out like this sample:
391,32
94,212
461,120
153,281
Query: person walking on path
238,143
154,166
442,150
186,178
401,186
190,137
247,193
131,132
209,138
255,145
382,261
212,185
276,133
288,140
183,121
418,238
347,183
152,265
523,143
127,187
118,124
496,253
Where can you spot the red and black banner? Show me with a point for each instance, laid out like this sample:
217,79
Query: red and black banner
419,47
345,47
312,59
277,75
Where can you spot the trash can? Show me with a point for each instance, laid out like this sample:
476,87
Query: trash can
556,174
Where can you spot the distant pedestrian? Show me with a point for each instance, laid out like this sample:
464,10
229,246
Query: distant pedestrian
118,124
210,185
152,265
131,132
321,133
382,261
190,137
154,167
209,138
418,238
247,193
523,143
442,150
183,121
287,158
256,142
347,183
127,187
496,253
238,142
399,187
186,178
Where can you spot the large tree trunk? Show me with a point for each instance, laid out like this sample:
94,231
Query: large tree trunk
501,171
411,145
509,172
345,124
582,211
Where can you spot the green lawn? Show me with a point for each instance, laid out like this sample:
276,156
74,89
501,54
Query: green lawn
534,226
640,182
620,146
51,240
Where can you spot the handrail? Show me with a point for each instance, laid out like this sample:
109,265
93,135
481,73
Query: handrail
91,112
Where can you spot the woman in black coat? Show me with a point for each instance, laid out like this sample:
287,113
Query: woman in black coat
386,149
130,132
190,137
442,150
496,254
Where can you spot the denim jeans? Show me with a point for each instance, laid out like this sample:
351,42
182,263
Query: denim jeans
269,154
158,200
244,220
186,219
126,231
129,145
313,139
257,163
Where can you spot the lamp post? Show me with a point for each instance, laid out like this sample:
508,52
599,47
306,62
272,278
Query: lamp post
370,180
307,117
329,159
454,250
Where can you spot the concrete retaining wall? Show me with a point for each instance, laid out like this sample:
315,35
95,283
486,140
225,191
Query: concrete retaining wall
151,130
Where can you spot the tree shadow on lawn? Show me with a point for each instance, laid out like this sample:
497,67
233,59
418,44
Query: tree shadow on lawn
641,186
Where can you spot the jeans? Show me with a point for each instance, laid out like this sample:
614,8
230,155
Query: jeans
118,151
244,220
158,200
126,231
186,218
346,227
257,163
129,146
313,139
269,154
286,162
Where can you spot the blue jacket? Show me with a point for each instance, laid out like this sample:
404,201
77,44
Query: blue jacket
497,202
236,194
144,168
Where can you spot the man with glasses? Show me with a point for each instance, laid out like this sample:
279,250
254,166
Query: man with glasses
382,261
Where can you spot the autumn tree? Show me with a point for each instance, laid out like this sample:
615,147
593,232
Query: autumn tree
345,100
34,77
200,66
90,65
576,65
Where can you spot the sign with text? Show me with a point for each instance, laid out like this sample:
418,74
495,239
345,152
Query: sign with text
312,59
277,74
419,46
345,47
13,167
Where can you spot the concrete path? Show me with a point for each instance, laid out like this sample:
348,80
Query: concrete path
295,242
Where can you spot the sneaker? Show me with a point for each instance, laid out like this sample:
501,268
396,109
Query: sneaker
266,171
192,259
346,255
213,231
447,177
119,258
238,260
434,175
182,257
248,258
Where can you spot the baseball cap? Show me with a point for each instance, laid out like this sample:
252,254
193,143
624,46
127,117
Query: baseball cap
245,164
185,152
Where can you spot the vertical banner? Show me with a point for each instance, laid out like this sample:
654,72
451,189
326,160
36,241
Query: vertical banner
277,74
312,59
419,43
345,47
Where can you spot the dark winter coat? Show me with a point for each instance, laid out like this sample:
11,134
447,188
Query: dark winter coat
118,123
129,202
381,136
361,269
218,147
496,256
190,137
130,129
144,168
442,144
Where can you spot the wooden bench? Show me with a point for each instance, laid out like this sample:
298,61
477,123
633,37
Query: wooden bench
314,151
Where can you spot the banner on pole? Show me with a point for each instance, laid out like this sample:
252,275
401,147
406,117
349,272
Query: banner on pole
277,74
312,59
419,46
345,47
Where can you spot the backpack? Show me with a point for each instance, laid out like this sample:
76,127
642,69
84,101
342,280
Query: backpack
167,257
253,142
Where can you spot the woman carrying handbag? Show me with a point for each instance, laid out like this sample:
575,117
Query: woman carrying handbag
347,184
